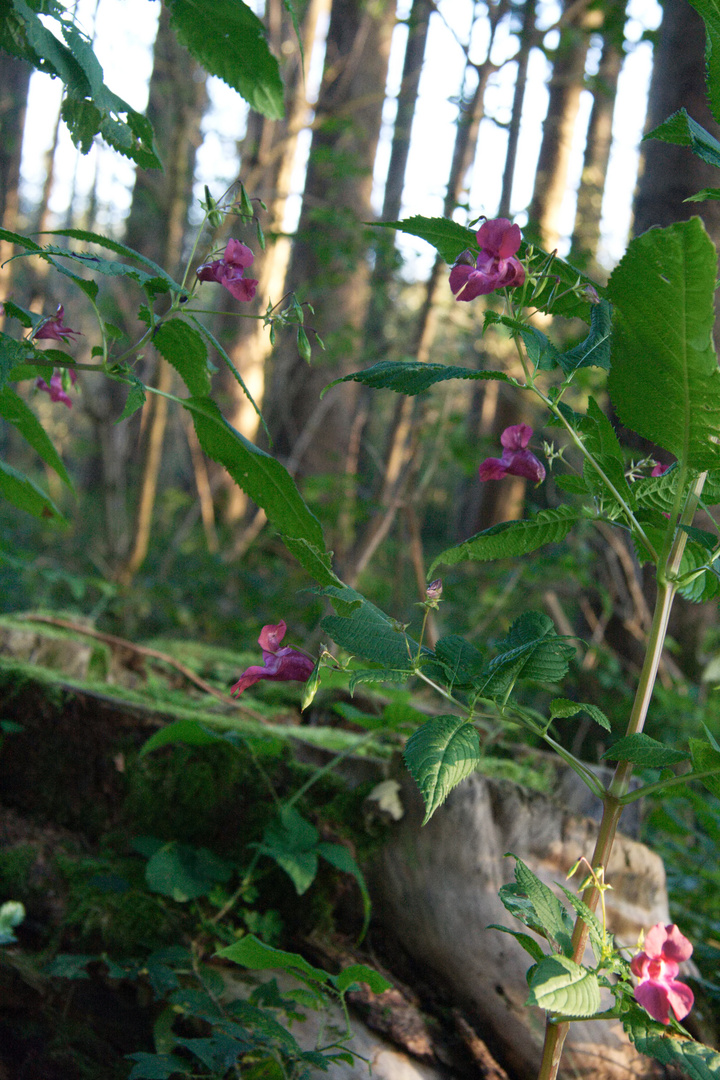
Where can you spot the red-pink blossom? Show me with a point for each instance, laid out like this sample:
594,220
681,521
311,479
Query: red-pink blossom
495,267
656,967
55,389
516,459
53,328
658,469
228,271
280,665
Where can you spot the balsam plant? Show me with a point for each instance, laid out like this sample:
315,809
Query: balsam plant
650,331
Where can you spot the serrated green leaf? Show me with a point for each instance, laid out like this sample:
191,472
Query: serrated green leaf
589,918
552,916
183,347
413,377
439,755
251,953
12,354
135,399
665,382
543,355
236,374
152,283
564,988
369,632
700,1062
705,539
316,561
266,480
641,749
515,901
532,650
119,249
448,237
594,350
704,758
682,130
529,944
708,12
512,538
703,195
24,493
561,708
229,41
20,415
462,661
378,675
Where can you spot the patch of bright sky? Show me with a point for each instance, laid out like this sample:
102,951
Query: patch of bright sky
126,29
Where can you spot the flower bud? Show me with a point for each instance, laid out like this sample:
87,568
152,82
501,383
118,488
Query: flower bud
434,589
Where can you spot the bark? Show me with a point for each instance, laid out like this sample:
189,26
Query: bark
268,158
14,80
329,265
566,84
586,233
528,34
156,228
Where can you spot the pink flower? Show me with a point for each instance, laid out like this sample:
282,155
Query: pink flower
228,271
56,389
658,469
516,460
656,968
280,665
53,328
495,267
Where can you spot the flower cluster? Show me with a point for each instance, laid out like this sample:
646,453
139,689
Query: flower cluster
228,271
656,967
516,459
495,267
280,665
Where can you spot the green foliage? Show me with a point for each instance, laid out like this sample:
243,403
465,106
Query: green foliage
414,377
562,708
254,954
532,650
24,493
185,873
229,40
670,1047
665,382
89,107
594,350
641,749
564,988
682,130
16,412
439,755
512,538
368,632
184,348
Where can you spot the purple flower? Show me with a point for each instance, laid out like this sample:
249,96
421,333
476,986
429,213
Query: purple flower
659,469
56,389
228,271
495,267
516,460
53,328
656,968
280,665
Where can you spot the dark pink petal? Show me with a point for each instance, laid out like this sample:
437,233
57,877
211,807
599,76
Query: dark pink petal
294,665
212,271
53,328
55,389
654,998
492,469
510,274
459,279
681,998
238,254
516,437
250,676
241,288
524,463
659,469
271,636
500,237
655,940
676,947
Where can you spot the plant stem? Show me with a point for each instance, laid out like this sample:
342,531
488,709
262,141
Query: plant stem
556,1031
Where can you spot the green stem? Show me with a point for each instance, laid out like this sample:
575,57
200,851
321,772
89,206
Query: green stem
556,1031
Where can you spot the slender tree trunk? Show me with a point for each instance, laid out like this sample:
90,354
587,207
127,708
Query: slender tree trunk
528,35
267,164
156,228
586,233
328,265
14,81
566,84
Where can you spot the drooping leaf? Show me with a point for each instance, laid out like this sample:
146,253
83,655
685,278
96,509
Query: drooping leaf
439,755
553,917
561,708
512,538
184,348
564,988
252,953
681,129
413,377
665,382
698,1061
20,415
24,493
229,40
135,399
641,749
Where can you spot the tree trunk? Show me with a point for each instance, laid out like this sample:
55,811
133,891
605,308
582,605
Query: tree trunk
586,232
268,159
14,81
329,266
156,228
528,34
566,84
